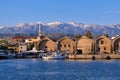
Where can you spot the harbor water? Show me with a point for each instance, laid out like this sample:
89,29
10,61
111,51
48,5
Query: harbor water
37,69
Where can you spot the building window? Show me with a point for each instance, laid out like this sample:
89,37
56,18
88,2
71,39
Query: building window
21,47
98,49
45,46
60,45
64,45
102,42
104,48
69,45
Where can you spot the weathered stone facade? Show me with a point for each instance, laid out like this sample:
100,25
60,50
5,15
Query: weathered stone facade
66,44
103,45
116,45
47,44
84,45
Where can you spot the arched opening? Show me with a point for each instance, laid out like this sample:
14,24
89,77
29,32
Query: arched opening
93,57
84,45
108,57
117,46
47,46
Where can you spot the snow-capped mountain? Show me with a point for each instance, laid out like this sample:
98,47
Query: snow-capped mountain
62,27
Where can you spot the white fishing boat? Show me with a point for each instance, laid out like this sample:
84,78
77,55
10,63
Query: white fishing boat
54,56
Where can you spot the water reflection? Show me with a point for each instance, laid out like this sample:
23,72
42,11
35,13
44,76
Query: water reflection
80,60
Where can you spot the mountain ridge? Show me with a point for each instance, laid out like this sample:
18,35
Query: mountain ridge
62,27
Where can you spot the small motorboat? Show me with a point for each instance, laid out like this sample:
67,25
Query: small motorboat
54,56
11,55
3,55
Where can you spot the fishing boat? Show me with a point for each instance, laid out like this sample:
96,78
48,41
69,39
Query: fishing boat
54,56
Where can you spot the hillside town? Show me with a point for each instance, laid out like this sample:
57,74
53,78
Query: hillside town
84,46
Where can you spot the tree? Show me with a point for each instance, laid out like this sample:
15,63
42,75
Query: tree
77,36
30,46
88,34
3,44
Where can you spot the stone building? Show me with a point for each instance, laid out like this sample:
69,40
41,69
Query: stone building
84,45
47,44
22,48
17,39
116,45
103,44
14,48
66,44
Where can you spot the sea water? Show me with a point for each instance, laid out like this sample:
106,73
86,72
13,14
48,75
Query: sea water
37,69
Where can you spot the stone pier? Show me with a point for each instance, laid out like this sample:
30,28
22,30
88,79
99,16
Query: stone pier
105,56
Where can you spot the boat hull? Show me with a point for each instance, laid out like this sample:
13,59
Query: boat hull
3,57
54,58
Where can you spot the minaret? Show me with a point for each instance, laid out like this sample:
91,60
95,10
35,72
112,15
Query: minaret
39,32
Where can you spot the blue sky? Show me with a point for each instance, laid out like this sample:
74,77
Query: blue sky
102,12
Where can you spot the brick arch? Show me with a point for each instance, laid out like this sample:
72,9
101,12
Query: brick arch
47,45
102,45
66,44
116,45
84,45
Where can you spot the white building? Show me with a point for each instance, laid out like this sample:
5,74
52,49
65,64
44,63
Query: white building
22,48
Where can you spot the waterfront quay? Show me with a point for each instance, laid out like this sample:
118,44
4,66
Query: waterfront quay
70,57
93,57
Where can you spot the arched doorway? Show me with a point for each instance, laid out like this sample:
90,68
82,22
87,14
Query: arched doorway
79,51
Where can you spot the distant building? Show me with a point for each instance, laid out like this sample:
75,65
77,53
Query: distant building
103,44
66,44
17,39
14,48
84,45
31,40
22,48
47,44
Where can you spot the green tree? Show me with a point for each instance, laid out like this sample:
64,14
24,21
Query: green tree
77,36
88,34
30,46
3,44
